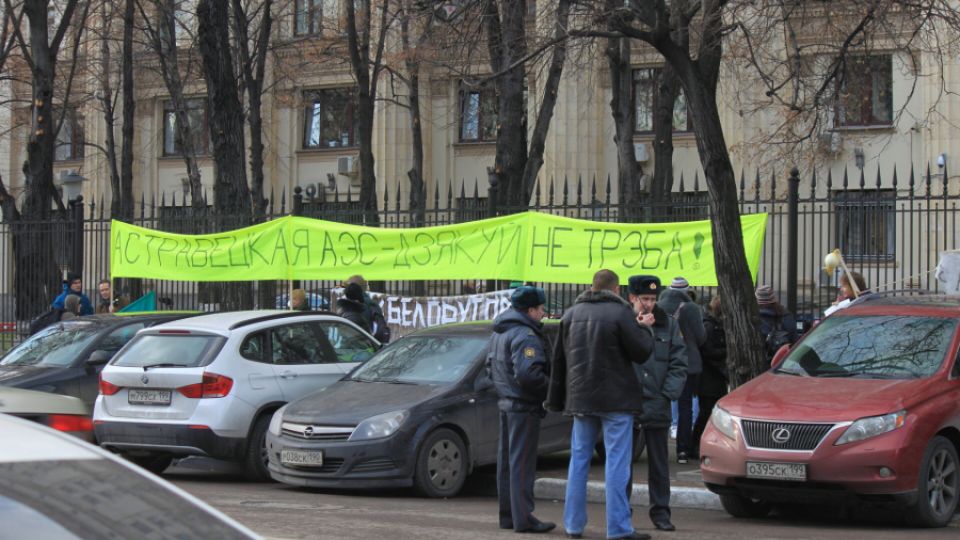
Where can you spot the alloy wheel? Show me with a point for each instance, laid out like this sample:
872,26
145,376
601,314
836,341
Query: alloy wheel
942,482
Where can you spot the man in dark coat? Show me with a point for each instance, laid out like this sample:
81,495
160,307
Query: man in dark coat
662,377
353,308
677,304
73,285
518,365
593,380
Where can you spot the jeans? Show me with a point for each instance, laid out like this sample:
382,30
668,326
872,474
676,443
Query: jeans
618,441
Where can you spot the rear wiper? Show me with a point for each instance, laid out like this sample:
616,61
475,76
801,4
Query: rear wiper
150,366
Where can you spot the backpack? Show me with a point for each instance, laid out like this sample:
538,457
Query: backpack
45,319
381,330
775,339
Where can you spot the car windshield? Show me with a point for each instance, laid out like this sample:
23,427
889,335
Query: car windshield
55,346
873,347
168,350
422,360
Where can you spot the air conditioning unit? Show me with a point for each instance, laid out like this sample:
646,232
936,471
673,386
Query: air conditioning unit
831,142
345,165
640,152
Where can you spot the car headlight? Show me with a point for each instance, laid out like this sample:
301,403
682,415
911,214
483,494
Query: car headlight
380,426
865,428
276,420
724,422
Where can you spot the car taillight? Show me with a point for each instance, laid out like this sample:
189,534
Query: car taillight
213,386
107,388
69,422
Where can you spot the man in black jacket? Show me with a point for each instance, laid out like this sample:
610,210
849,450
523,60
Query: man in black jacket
662,377
518,366
593,380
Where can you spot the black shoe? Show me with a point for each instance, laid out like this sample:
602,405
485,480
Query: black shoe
540,527
506,525
664,525
634,536
683,458
575,536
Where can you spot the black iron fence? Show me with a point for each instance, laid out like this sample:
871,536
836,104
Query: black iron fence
891,229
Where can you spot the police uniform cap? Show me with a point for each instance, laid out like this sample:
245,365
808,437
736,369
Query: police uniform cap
644,285
526,297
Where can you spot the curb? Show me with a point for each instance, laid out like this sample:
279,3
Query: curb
680,497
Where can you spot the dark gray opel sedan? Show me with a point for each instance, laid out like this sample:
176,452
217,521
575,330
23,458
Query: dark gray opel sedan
422,412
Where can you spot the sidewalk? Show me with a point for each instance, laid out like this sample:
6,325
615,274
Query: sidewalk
686,486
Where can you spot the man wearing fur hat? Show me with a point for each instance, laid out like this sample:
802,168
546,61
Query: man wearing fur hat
662,378
518,365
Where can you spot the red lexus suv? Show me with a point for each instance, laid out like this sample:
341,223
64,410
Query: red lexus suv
865,408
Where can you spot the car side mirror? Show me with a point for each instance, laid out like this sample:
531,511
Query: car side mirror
483,384
782,353
99,358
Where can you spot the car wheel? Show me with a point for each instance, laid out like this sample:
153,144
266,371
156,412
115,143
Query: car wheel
255,462
441,465
739,506
155,463
938,486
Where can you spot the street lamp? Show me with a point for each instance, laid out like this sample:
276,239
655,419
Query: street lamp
72,184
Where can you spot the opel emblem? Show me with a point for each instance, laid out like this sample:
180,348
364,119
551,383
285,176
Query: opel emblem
308,432
780,435
144,379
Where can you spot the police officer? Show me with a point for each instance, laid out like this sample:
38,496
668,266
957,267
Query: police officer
518,366
662,378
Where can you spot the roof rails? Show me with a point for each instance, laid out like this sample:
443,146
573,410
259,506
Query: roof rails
278,315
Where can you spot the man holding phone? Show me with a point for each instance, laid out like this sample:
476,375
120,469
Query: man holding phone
662,377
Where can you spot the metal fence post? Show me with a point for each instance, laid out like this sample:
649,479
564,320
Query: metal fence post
493,191
793,235
76,259
296,209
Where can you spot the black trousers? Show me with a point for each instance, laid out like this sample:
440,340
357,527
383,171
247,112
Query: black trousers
658,473
707,403
685,442
517,468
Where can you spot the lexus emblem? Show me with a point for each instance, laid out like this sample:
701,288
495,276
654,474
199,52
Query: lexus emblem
144,379
308,432
780,435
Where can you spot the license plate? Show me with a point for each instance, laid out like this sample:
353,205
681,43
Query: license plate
777,471
148,397
301,458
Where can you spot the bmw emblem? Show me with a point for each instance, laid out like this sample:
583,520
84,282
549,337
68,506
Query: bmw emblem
308,432
780,435
144,379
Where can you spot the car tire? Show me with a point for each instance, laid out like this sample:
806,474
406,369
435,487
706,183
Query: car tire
441,465
938,487
739,506
155,463
255,461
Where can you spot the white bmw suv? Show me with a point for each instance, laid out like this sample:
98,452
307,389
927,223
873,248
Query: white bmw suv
208,385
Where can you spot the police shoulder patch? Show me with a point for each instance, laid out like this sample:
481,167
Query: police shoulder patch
529,352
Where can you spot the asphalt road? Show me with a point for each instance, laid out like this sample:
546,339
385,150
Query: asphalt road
278,511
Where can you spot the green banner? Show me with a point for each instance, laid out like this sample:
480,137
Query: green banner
528,247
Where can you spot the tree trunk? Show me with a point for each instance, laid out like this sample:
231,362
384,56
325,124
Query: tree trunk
109,113
506,43
129,110
417,195
624,121
538,138
668,88
741,315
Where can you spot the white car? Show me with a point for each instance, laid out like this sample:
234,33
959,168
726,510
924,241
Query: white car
208,385
63,413
55,486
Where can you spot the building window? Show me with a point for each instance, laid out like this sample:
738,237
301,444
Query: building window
329,119
478,113
645,97
314,16
866,224
865,91
70,140
199,137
